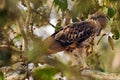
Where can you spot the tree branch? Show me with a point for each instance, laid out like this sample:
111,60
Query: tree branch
94,73
100,75
51,24
12,47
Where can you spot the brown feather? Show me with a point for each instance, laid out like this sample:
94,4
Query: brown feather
76,33
52,45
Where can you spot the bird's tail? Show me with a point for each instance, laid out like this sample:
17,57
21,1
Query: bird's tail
52,45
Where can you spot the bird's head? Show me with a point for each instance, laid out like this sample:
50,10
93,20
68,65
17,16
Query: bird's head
101,17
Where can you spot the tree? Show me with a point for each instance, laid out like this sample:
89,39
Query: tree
20,46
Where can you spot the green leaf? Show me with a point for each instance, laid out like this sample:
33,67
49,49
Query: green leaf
116,36
18,36
1,76
113,0
116,33
58,26
36,50
44,74
3,17
111,12
82,8
9,13
62,4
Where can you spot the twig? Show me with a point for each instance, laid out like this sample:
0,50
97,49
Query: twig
94,73
26,25
23,33
51,24
101,38
28,13
12,47
100,75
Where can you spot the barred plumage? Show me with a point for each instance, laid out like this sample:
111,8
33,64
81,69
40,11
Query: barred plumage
76,33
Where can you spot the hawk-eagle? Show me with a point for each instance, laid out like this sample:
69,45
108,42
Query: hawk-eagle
76,33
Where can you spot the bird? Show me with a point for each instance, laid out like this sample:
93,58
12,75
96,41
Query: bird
76,35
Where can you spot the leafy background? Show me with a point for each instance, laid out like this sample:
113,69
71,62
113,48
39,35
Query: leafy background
24,24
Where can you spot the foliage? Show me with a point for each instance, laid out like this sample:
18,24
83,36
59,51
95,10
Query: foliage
62,4
111,12
20,18
44,74
1,76
82,8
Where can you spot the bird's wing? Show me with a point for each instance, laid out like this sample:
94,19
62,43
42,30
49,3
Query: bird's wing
75,33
